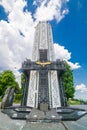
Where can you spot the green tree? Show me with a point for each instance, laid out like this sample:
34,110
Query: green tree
68,82
7,78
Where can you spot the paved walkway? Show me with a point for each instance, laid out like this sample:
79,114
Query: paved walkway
8,124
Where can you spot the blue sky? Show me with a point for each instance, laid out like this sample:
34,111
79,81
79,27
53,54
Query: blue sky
69,24
72,33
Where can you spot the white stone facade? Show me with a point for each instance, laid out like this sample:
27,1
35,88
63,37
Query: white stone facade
43,40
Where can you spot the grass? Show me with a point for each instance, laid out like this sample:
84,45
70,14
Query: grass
17,101
73,102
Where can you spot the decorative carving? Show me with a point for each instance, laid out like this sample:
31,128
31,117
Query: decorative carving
43,63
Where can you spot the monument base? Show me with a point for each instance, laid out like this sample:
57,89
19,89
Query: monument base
70,114
53,115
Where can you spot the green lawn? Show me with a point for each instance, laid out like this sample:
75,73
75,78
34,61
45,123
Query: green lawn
74,102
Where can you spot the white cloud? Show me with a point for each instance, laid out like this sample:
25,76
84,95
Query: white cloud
74,65
50,9
16,36
64,54
9,5
61,52
81,88
81,91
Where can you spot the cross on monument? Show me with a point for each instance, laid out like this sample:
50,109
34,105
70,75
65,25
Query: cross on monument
43,66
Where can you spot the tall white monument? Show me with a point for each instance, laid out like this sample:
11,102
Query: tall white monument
43,84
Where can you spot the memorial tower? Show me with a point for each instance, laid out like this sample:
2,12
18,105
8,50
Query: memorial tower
43,74
43,87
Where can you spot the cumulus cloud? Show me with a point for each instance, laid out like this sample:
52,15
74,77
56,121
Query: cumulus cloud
81,91
61,52
74,65
16,36
81,87
64,54
50,9
10,5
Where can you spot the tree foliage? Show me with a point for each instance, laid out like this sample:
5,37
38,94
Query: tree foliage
7,78
68,82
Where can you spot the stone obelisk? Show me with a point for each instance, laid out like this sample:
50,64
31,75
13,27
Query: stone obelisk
43,85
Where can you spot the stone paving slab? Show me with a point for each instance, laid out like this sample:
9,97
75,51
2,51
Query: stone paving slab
8,124
43,126
80,124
